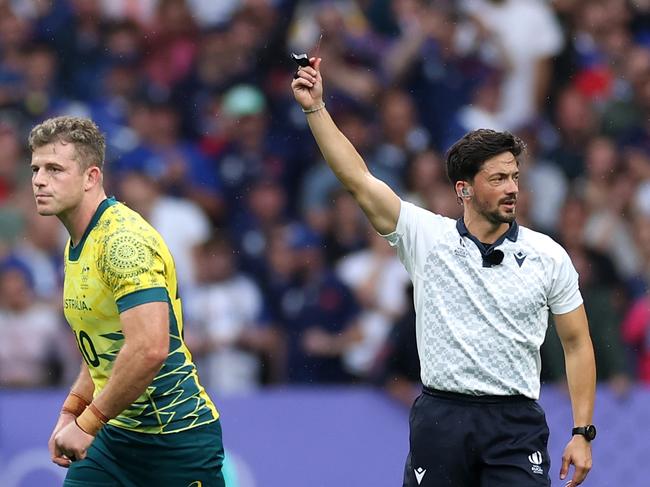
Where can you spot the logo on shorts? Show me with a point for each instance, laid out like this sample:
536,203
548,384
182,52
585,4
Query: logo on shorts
419,474
196,483
536,459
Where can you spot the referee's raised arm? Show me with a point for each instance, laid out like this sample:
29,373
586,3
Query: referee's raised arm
378,201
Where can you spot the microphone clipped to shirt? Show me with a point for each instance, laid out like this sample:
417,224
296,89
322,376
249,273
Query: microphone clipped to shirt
490,259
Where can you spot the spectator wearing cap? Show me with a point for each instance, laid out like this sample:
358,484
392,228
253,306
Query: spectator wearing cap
249,151
31,351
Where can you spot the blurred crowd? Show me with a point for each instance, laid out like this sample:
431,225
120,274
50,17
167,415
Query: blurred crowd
283,281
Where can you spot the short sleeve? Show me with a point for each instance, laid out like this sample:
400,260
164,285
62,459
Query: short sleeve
406,237
131,266
564,295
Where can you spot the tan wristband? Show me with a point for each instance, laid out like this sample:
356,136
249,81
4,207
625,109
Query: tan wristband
91,420
74,404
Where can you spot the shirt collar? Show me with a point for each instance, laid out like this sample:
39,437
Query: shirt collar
511,234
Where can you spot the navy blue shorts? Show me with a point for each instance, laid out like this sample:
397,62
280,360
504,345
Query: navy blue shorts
458,440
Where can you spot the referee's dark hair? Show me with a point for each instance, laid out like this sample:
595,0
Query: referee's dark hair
465,157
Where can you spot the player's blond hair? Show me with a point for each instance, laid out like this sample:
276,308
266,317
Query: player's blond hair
88,141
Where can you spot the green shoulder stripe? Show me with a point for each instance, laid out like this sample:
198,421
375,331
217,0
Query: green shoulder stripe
151,295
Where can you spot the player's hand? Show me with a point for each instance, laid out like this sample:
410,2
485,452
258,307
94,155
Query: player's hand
73,442
578,454
308,85
55,452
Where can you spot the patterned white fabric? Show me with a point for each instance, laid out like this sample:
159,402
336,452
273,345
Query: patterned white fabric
479,329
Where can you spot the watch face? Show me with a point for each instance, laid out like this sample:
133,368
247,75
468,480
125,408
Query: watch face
590,432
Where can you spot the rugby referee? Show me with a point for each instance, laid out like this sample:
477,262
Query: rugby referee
483,287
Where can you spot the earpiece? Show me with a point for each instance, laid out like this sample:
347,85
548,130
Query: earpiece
465,192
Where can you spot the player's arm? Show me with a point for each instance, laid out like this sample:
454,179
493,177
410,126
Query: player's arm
83,385
380,204
146,346
573,331
81,393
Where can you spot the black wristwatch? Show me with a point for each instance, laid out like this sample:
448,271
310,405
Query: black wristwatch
589,431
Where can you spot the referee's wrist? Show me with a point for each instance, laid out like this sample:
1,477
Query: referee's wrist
315,108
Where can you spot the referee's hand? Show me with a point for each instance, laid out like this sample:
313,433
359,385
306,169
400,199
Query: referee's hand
578,454
307,85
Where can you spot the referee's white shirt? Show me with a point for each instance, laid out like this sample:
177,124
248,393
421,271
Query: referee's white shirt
479,329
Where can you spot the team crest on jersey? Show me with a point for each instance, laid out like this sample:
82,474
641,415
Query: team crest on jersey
84,277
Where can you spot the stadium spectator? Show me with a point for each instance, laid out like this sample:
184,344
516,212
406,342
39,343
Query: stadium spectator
429,59
40,250
398,364
347,231
607,193
378,280
13,177
143,193
319,185
172,43
318,313
544,182
176,163
636,330
265,209
120,83
350,45
528,58
32,352
576,122
248,152
229,336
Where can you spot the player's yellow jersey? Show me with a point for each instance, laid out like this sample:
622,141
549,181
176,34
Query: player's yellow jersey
122,262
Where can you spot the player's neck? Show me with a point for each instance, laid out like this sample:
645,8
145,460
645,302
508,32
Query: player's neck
484,230
77,219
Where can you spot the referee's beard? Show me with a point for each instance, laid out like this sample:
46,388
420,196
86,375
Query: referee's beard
497,215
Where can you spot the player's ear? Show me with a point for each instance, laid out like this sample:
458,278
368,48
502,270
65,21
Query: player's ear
93,177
